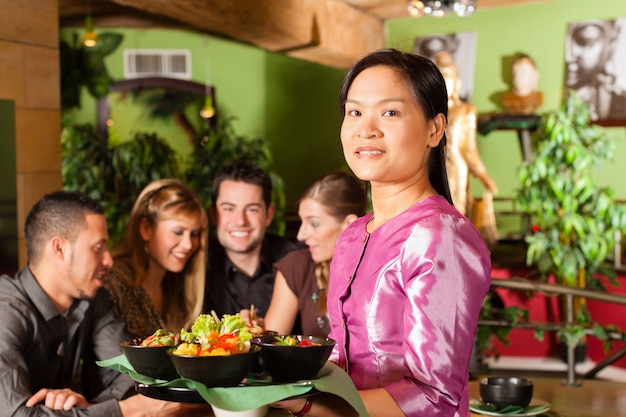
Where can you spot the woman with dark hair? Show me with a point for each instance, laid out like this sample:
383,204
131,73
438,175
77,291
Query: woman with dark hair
327,206
408,280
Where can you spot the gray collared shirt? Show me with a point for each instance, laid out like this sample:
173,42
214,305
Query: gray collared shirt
42,348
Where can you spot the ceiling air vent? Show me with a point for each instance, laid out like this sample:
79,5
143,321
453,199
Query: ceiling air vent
173,63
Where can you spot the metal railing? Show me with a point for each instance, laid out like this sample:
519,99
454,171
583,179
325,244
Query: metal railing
556,290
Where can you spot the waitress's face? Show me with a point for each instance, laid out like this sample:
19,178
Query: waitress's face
385,135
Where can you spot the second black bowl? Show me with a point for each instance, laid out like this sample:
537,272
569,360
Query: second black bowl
293,363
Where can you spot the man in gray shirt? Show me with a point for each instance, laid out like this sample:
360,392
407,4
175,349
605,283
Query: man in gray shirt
57,320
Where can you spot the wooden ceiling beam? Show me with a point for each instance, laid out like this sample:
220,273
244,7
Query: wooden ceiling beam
329,32
274,25
343,34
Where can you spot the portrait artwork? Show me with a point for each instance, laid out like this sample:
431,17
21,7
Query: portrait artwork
595,66
461,46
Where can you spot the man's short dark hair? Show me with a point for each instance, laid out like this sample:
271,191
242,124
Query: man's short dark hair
247,172
60,213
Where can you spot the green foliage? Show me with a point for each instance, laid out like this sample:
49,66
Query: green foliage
114,175
163,104
576,219
488,312
134,164
221,146
83,66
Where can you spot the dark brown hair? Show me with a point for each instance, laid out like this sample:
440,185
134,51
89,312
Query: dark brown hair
247,172
60,213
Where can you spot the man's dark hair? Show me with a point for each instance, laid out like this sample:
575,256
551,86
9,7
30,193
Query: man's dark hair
243,171
60,213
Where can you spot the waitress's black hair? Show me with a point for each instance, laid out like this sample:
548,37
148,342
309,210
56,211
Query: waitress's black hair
427,87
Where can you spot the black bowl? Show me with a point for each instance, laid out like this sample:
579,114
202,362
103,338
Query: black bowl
505,391
215,371
151,361
258,368
293,363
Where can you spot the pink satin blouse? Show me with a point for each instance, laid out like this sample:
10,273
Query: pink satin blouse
404,304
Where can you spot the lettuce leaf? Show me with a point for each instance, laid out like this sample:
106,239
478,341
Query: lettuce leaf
205,324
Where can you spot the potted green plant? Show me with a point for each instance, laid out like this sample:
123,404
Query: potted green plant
575,221
114,173
84,67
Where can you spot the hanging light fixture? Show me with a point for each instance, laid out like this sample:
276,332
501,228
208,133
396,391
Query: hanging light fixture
441,8
90,38
208,110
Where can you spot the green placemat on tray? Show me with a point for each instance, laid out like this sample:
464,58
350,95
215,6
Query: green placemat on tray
258,392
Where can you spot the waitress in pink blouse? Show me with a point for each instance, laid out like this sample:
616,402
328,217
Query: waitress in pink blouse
407,281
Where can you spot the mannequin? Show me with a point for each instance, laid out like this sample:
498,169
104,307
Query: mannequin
524,98
462,157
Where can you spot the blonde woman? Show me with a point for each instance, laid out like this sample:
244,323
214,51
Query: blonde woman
157,280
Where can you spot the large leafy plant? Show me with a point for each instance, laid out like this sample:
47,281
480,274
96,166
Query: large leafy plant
83,66
114,173
575,221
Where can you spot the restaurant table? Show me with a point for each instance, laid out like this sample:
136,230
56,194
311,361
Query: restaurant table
592,398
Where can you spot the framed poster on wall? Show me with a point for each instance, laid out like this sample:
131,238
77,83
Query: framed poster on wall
595,67
462,47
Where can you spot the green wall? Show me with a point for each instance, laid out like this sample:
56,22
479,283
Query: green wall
292,103
303,119
538,29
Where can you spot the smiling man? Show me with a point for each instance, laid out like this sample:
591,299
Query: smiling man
240,270
57,321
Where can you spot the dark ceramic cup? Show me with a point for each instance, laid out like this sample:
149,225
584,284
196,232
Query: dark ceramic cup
505,391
